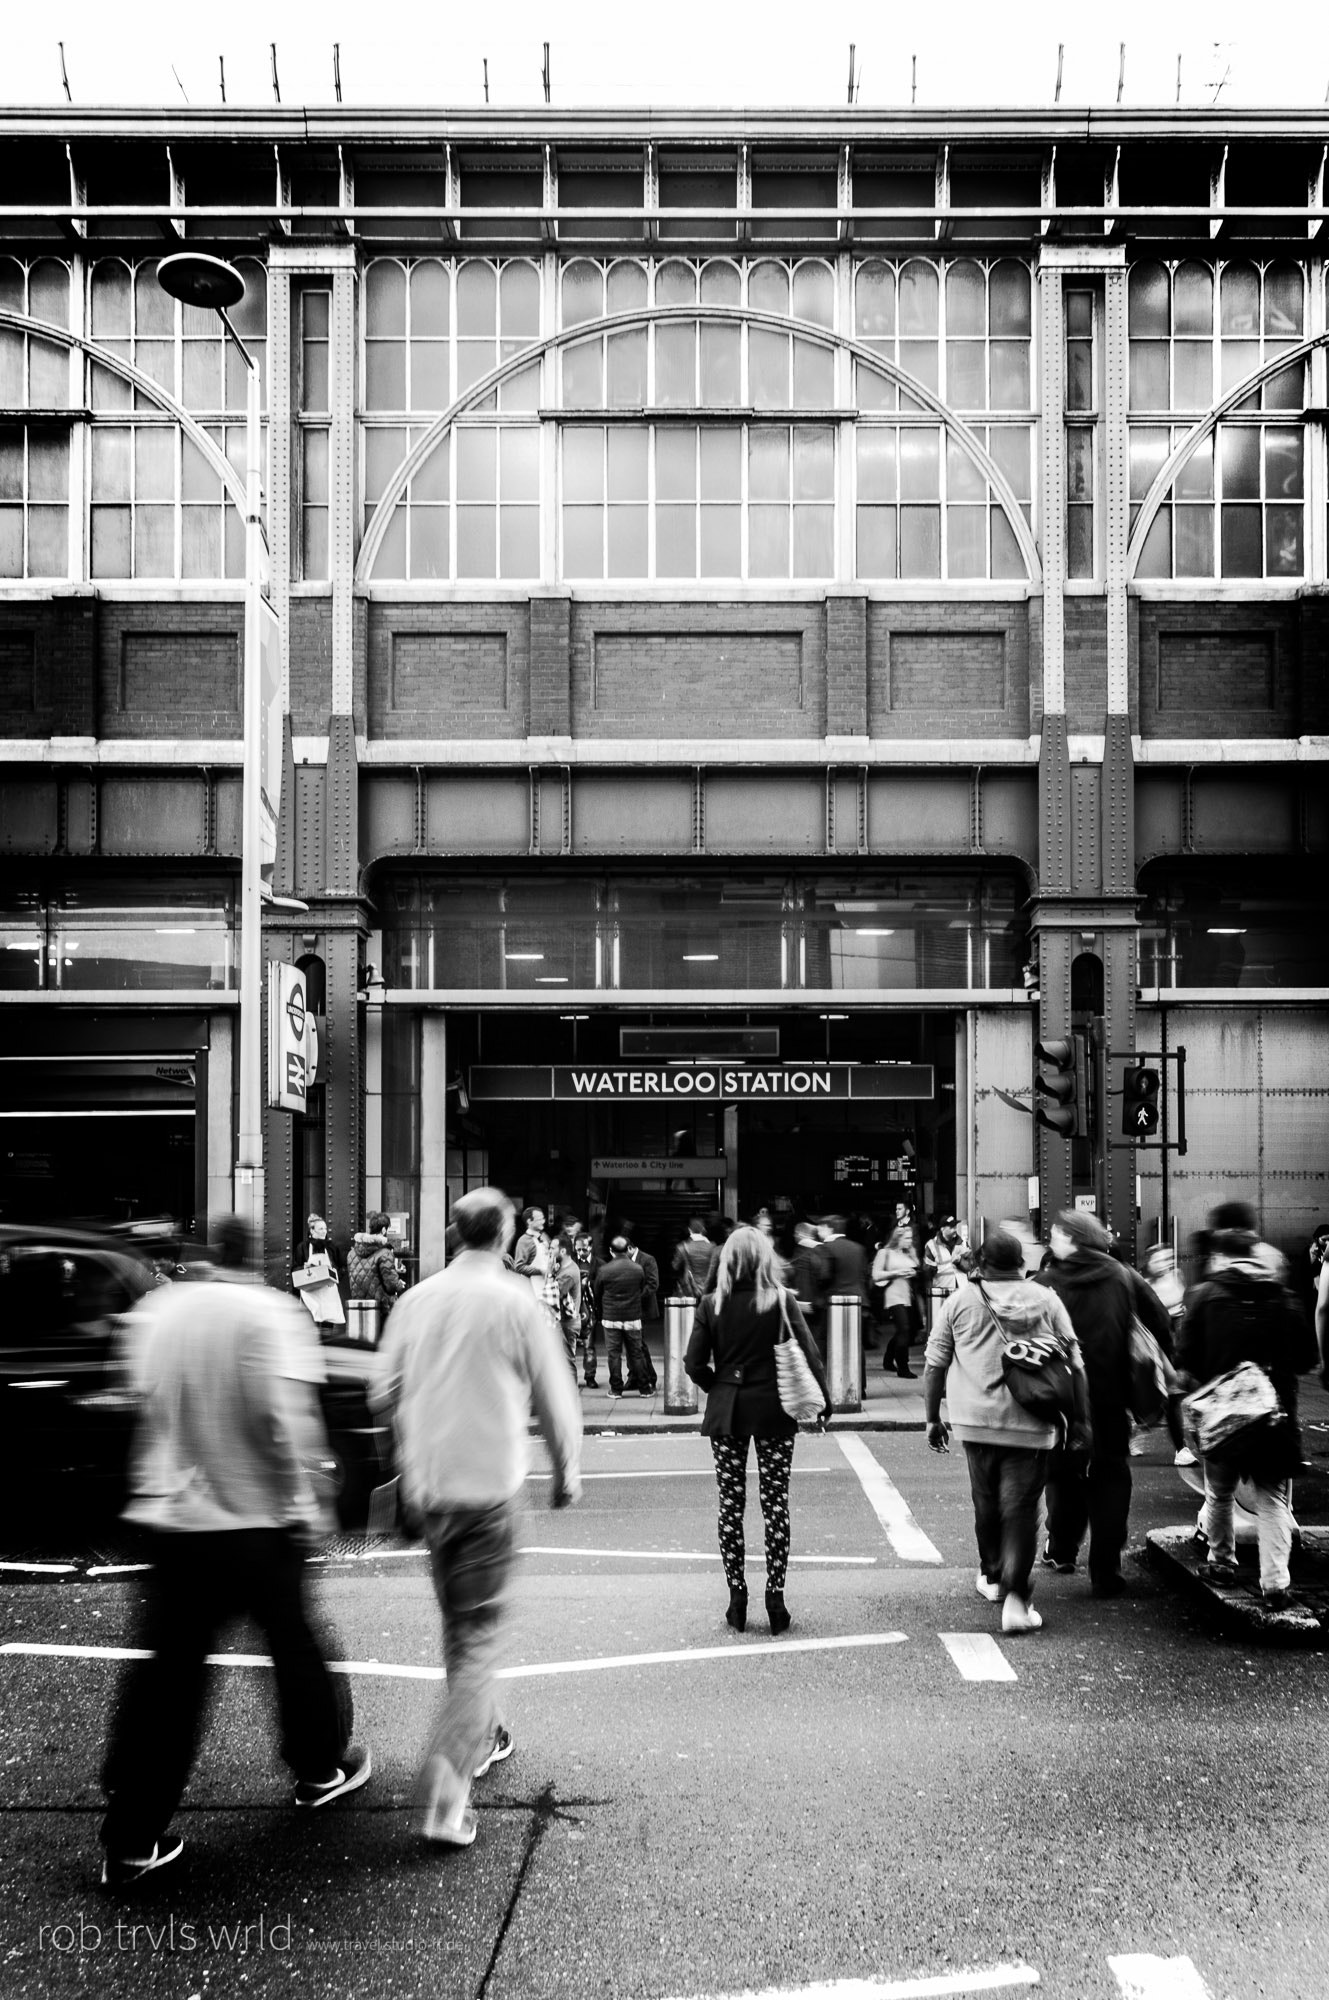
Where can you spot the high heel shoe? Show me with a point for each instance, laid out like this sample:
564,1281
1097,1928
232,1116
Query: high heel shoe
737,1614
776,1612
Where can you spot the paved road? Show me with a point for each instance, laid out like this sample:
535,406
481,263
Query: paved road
1132,1805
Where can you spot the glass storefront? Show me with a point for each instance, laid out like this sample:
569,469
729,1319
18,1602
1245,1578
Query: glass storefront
83,936
1234,923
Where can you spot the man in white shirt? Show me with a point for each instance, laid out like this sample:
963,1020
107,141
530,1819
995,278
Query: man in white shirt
467,1355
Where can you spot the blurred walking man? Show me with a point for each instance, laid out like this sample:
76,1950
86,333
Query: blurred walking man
468,1354
230,1423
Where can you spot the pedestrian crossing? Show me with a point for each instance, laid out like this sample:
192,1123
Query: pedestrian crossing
1139,1976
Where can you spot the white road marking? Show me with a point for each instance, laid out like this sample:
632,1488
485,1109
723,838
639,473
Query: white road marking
888,1504
538,1670
991,1979
1142,1976
115,1569
40,1569
682,1555
978,1656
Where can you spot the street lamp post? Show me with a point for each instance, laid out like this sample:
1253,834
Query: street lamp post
200,280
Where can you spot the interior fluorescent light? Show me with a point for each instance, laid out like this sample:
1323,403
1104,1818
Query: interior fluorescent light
863,930
175,930
525,957
701,957
1227,930
551,978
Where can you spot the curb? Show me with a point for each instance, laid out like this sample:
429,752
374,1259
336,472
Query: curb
1176,1556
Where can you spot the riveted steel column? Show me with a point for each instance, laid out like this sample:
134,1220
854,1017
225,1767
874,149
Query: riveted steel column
1120,942
1052,1154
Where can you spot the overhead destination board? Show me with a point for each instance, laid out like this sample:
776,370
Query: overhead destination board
717,1083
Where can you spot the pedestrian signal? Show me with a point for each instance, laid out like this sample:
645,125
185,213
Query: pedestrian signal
1140,1087
1064,1085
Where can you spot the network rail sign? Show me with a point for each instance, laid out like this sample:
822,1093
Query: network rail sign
717,1083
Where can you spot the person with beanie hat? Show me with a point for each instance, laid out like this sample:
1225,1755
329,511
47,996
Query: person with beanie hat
1102,1298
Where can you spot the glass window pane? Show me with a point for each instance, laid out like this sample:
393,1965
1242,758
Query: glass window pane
48,293
768,288
1079,464
48,375
477,298
1284,301
391,562
384,452
814,376
522,390
12,389
200,541
1287,389
1238,359
1079,308
1006,558
920,467
583,466
768,369
430,484
154,541
720,354
676,541
48,466
1240,455
722,464
48,541
1193,299
110,466
110,541
1148,301
627,370
519,465
676,365
1156,555
13,294
429,375
1282,463
156,358
314,376
720,283
1243,553
768,465
429,543
919,358
474,359
875,450
1195,540
1148,375
966,541
583,379
110,301
385,375
628,459
814,541
676,463
1192,375
873,391
476,534
1010,375
11,465
966,384
874,302
1009,299
1195,481
583,541
476,465
768,541
1282,541
11,541
431,307
583,293
814,294
1079,375
154,309
1079,543
1239,300
519,300
814,462
519,541
721,541
627,287
1148,451
1008,445
876,542
628,543
918,299
202,375
966,299
920,541
315,482
675,285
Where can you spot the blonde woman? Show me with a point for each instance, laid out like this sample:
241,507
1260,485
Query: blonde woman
731,1355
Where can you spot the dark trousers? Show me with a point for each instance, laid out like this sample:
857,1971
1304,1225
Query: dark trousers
1092,1492
900,1322
641,1374
197,1584
1006,1482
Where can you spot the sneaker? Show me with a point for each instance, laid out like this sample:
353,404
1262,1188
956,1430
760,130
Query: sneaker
1049,1561
500,1749
448,1822
1185,1457
1018,1616
1276,1600
120,1870
1221,1568
352,1772
985,1587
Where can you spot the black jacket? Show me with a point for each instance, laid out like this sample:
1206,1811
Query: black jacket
1242,1313
619,1287
1099,1295
731,1355
844,1269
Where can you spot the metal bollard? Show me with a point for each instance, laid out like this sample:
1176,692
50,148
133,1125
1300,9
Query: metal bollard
680,1392
362,1322
844,1352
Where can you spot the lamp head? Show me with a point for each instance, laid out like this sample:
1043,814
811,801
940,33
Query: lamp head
200,280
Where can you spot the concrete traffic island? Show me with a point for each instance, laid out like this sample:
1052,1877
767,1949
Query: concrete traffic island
1177,1556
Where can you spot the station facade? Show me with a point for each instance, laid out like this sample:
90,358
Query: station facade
778,615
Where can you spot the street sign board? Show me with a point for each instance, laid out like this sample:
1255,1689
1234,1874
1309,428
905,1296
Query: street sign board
289,1024
722,1083
661,1167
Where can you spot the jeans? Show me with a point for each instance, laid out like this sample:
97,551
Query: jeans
1092,1492
900,1320
640,1372
470,1558
197,1584
1007,1483
1273,1522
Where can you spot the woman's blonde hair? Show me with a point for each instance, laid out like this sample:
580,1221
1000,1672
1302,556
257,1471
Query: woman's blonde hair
748,1257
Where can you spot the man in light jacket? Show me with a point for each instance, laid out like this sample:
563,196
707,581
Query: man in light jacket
1007,1446
467,1355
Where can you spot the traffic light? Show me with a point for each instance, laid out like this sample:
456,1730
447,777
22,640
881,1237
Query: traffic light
1140,1087
1065,1085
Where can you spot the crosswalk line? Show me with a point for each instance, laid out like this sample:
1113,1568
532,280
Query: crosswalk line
938,1986
978,1656
888,1504
1142,1976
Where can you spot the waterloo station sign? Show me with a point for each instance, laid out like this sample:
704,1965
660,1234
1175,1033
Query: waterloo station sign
718,1083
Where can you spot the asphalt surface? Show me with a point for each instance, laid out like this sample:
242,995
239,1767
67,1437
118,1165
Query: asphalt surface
745,1814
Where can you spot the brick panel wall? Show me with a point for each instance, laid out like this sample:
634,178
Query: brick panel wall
460,670
311,664
551,666
165,669
1085,654
1228,670
846,666
47,668
947,670
704,670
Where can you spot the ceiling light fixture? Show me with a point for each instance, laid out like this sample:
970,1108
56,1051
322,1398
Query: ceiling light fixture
1227,930
525,957
863,930
701,957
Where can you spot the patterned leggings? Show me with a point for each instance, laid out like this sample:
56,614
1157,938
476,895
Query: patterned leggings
775,1458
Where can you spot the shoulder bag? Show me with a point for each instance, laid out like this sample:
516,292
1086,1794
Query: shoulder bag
1035,1369
1238,1420
1151,1378
798,1388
